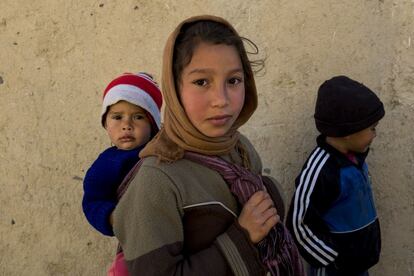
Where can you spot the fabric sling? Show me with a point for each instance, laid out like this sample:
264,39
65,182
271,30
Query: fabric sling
124,185
118,266
277,250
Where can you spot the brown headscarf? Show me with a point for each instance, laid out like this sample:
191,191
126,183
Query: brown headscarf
178,134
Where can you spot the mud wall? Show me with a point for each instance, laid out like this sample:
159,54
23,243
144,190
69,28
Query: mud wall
57,56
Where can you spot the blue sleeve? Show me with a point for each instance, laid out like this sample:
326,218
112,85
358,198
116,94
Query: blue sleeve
100,185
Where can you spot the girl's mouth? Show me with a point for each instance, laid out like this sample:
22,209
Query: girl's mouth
220,120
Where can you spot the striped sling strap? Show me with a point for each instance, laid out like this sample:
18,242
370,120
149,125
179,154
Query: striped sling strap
277,250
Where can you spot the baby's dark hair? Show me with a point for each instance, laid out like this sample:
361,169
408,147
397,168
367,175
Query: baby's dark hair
192,34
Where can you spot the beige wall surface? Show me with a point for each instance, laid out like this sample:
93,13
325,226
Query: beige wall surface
57,56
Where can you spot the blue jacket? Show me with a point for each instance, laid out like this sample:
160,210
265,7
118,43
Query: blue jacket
332,215
100,185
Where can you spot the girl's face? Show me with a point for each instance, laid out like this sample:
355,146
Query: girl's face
127,125
212,88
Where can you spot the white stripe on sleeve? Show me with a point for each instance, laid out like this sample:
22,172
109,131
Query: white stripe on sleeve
314,246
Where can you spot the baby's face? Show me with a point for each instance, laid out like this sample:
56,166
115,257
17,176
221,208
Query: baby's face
127,125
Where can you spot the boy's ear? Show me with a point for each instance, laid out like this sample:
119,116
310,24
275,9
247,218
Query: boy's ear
345,139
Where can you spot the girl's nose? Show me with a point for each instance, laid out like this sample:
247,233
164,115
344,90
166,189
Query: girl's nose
220,96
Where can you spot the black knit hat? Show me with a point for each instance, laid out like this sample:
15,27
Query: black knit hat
345,106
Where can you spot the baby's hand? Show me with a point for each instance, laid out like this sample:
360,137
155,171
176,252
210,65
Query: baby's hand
258,216
111,219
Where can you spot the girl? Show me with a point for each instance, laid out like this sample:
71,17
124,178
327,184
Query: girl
184,213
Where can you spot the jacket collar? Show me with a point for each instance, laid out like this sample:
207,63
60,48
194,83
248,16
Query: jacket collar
341,158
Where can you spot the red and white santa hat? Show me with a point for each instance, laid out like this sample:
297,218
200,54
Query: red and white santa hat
139,89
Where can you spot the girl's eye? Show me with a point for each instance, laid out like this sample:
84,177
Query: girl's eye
235,80
200,82
116,117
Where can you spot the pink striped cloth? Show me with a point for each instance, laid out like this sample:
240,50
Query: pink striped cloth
277,250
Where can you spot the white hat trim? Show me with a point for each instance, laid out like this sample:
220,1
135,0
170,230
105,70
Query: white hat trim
134,95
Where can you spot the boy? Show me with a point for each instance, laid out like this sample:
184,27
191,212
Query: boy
332,215
131,116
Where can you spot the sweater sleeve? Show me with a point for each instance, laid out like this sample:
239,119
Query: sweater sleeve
148,224
99,196
315,191
101,182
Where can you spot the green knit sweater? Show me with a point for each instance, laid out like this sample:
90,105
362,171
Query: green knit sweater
181,219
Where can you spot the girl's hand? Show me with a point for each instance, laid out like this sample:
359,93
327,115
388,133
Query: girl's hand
258,216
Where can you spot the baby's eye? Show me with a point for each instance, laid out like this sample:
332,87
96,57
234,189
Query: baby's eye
200,82
116,117
138,117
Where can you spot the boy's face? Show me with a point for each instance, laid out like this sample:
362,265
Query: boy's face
127,125
361,140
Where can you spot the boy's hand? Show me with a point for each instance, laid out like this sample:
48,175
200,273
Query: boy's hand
258,216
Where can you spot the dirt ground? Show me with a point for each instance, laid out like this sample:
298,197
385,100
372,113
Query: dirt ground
57,56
